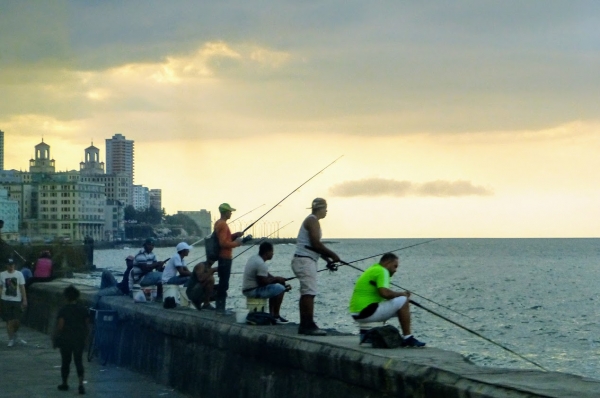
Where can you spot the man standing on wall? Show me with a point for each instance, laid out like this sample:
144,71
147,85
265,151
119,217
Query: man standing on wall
304,264
227,241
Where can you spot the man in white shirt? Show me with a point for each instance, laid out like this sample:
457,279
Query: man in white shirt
259,283
14,300
176,272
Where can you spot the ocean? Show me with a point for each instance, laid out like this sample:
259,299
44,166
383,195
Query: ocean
537,297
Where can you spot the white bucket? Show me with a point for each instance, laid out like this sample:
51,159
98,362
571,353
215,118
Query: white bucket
240,315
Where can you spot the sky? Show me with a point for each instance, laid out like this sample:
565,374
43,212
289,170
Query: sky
466,119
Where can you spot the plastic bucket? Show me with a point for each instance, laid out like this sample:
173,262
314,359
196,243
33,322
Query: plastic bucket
240,315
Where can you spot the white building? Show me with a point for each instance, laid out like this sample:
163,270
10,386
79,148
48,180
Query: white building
9,213
141,197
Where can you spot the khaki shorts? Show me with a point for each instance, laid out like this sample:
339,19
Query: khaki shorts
305,270
11,310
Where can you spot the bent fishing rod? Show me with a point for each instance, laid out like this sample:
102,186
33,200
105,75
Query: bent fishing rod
477,334
288,195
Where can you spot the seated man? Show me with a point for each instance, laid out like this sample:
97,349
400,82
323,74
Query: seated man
144,265
176,273
259,283
201,287
374,301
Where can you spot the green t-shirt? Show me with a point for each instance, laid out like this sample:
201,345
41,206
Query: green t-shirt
365,290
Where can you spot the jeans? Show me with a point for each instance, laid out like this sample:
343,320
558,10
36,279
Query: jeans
265,292
66,352
224,272
179,280
151,279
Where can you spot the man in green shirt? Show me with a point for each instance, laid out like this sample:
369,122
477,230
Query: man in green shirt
374,301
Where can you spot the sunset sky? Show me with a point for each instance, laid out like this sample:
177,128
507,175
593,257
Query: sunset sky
454,119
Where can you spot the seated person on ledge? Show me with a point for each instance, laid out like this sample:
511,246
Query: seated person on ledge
176,272
201,288
42,270
146,270
259,283
109,285
374,301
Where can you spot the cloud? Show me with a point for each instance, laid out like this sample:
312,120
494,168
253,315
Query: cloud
389,187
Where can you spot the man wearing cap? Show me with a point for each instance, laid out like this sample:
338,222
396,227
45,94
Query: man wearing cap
176,272
146,270
304,264
227,241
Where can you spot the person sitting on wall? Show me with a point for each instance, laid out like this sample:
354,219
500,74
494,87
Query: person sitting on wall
176,272
374,301
146,270
201,288
42,270
109,285
259,283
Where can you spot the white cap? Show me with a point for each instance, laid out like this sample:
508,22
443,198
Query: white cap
182,246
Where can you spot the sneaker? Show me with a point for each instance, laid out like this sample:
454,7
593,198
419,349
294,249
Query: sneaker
412,342
11,342
63,387
281,320
208,306
311,331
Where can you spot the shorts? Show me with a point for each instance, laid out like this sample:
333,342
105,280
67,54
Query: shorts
385,310
11,310
305,270
265,292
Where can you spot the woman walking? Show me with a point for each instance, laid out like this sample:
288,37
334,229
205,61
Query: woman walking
70,335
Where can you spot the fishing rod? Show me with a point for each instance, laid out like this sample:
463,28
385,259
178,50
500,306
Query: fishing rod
17,253
288,195
478,335
261,240
391,251
245,214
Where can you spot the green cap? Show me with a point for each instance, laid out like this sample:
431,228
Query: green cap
225,207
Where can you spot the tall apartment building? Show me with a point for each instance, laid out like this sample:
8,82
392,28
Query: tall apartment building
156,198
119,155
1,150
141,197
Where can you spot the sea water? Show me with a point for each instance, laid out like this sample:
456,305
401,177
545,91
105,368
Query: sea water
537,297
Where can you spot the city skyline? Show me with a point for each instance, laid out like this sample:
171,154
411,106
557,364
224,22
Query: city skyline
454,120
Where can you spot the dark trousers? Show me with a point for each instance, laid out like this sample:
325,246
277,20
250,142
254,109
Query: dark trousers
66,352
224,272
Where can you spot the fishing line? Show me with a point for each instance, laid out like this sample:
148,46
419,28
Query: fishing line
288,195
477,334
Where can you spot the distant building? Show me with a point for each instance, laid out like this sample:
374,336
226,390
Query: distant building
156,198
114,223
117,186
92,164
42,162
9,213
119,155
1,150
202,219
141,197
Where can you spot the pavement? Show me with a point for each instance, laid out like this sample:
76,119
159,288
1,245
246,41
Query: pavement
33,370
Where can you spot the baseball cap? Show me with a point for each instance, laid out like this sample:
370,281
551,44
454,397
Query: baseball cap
182,246
318,203
225,207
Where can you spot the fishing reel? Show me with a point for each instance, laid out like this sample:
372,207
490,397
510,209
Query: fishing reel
332,266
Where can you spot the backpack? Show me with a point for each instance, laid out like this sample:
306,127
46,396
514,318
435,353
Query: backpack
260,318
386,336
211,244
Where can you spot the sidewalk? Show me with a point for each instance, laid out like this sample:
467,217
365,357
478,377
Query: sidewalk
33,370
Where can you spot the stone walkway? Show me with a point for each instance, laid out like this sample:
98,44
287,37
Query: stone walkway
33,370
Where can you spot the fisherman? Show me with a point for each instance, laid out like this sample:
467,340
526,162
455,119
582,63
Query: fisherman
304,264
259,283
227,241
146,270
374,301
201,287
176,272
109,285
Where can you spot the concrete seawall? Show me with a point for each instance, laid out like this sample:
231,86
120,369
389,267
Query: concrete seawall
202,354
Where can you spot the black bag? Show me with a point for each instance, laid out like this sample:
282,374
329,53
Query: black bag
260,318
386,336
169,303
211,244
